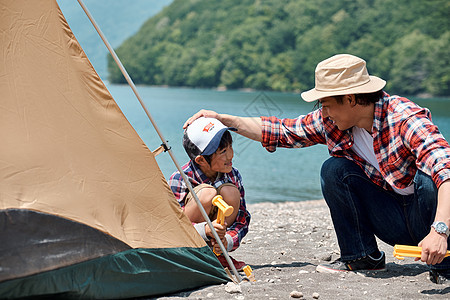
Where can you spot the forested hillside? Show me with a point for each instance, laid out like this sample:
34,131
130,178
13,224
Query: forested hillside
275,45
118,20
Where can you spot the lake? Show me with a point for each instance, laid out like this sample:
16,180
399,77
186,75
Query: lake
285,175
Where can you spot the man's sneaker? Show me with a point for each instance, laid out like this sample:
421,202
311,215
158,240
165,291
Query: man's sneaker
363,264
239,265
439,276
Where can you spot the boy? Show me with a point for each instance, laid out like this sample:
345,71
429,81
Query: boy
208,144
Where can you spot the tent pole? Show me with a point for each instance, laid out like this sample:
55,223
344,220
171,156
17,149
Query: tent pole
133,87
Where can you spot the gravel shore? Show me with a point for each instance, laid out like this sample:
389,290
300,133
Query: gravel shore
286,242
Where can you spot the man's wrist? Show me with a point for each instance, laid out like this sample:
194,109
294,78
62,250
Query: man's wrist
441,228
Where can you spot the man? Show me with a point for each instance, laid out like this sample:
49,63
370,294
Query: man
389,171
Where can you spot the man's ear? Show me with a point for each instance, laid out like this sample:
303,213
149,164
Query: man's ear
351,99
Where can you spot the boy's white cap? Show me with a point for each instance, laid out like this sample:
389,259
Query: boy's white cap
206,133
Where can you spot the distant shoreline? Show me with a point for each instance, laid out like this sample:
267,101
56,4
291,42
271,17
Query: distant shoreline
250,90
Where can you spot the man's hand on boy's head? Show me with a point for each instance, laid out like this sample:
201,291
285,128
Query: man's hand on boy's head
202,113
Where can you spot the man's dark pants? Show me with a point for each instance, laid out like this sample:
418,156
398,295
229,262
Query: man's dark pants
361,210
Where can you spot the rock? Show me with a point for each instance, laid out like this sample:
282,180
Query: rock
232,288
245,283
324,256
296,294
315,295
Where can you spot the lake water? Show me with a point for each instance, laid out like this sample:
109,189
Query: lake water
286,175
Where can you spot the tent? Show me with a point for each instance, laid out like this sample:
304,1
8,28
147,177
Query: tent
84,209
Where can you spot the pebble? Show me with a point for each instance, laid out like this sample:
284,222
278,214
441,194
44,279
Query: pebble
296,294
281,271
232,288
325,257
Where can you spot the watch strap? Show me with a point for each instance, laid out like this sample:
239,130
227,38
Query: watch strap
435,226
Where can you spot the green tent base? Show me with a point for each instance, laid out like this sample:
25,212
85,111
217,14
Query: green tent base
128,274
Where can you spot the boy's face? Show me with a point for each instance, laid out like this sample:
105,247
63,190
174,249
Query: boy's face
221,160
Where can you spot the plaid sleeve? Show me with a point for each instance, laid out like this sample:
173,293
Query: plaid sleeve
303,131
178,187
428,145
239,228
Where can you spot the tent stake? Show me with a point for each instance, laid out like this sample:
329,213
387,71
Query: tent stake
133,87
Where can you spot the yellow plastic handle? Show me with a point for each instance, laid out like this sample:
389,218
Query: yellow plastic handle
247,270
224,209
402,251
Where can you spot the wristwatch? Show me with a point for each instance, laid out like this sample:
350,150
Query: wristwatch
441,227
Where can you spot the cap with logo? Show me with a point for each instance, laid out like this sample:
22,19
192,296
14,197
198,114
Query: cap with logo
206,133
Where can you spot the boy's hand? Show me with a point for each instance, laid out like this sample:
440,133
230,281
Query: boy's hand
220,229
216,247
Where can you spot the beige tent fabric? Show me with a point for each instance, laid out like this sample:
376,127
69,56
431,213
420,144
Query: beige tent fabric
66,147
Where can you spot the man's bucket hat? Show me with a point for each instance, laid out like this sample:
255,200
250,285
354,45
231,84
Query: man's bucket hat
342,74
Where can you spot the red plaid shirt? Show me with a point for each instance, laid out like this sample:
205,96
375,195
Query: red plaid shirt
239,228
404,140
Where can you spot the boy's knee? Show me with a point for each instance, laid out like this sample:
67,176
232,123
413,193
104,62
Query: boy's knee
230,193
206,194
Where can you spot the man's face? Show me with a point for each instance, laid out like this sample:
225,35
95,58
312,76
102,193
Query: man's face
341,114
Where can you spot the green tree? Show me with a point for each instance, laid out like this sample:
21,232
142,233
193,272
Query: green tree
409,69
438,67
276,45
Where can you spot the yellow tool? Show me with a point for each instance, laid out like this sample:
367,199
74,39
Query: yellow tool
248,272
224,210
400,251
